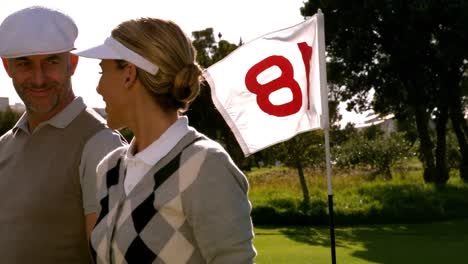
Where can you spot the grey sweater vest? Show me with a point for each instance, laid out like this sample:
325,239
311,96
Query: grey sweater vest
41,210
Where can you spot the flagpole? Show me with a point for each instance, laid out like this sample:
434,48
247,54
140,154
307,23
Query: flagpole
326,125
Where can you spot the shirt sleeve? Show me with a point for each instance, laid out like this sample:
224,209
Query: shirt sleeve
218,210
94,151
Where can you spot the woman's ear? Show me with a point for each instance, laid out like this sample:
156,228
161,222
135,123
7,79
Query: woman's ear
130,75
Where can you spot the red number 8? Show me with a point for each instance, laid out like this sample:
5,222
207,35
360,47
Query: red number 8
285,80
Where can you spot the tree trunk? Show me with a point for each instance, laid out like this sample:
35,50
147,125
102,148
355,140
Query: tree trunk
442,174
459,124
426,145
302,180
422,117
462,143
388,174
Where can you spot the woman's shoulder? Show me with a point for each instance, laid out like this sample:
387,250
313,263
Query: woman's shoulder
207,151
111,159
210,165
206,144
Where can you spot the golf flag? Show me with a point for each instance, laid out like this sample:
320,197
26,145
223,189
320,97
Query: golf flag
271,89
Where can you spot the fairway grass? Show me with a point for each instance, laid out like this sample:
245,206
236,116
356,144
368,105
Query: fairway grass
427,243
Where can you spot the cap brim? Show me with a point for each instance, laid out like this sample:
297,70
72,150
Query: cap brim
33,53
99,52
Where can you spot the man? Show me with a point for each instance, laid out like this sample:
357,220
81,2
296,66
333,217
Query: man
48,160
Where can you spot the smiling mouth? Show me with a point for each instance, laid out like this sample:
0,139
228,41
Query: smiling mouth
38,92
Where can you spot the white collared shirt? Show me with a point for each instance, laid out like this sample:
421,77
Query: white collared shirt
139,164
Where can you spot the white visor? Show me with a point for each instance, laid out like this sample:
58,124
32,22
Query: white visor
114,50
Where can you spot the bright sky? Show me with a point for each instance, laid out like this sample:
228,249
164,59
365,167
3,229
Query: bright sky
95,20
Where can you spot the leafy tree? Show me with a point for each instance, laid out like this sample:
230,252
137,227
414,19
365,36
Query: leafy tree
204,42
8,119
412,54
372,149
202,113
127,134
341,136
303,150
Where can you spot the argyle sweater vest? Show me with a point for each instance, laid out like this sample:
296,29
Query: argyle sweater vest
191,207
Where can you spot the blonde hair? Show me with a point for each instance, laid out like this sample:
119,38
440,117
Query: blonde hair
177,83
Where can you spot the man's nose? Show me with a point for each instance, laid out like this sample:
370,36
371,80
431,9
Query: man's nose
39,76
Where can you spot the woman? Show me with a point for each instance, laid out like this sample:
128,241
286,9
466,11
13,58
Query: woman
173,195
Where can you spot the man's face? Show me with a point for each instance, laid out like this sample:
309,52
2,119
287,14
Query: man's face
43,82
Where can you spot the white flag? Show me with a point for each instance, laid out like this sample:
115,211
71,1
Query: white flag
269,89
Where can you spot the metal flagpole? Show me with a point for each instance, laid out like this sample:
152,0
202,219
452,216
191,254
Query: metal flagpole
326,124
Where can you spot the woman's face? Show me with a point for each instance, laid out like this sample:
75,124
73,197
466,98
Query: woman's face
114,93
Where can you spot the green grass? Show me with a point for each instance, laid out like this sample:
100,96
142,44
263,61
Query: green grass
276,197
405,206
437,242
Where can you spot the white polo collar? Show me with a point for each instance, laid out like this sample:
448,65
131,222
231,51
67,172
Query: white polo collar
161,146
60,120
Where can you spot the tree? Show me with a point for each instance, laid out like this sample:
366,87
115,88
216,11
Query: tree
204,42
371,148
203,114
8,119
304,150
127,134
412,54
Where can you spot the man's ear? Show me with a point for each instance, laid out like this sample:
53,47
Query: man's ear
5,65
73,63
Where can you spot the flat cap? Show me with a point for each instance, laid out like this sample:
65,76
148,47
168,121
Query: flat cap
36,30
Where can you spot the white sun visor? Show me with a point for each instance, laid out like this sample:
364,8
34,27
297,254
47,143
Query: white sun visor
114,50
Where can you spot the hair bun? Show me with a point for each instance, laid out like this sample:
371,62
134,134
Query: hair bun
187,83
